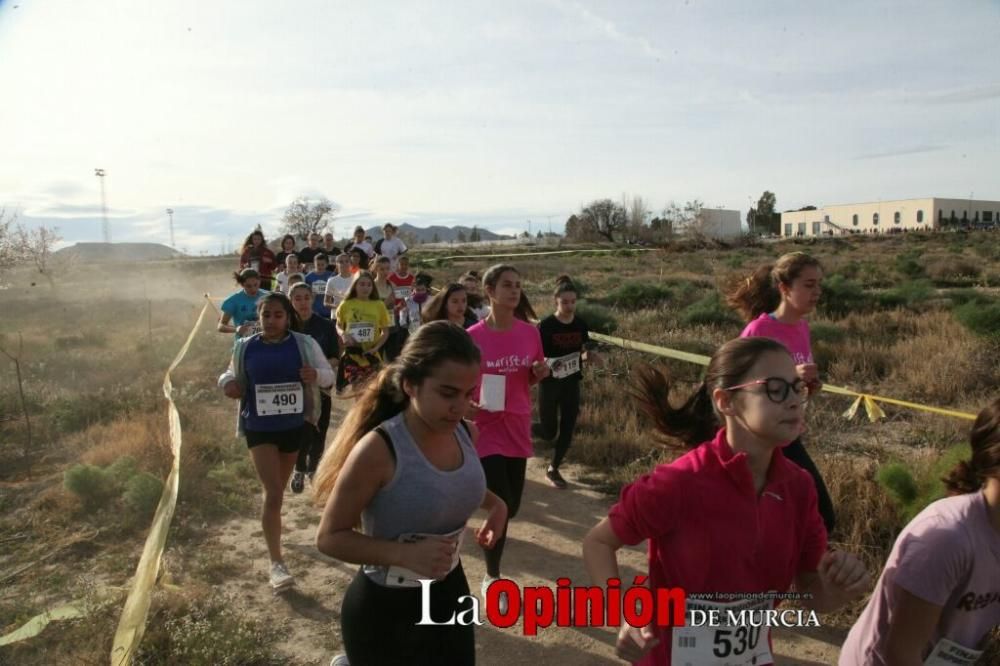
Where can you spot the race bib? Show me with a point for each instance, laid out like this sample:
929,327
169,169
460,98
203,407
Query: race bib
275,399
402,293
403,577
361,331
319,287
564,366
744,645
493,393
255,265
950,653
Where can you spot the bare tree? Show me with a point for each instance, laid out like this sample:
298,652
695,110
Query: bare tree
36,247
302,217
604,218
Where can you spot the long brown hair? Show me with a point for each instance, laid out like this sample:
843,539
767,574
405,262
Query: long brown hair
353,291
968,476
758,293
523,311
425,351
436,309
695,421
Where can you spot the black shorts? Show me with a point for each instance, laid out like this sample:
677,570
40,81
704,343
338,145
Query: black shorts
287,441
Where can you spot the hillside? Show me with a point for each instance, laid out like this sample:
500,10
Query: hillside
91,252
437,233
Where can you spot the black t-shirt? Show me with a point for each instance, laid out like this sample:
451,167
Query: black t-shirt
559,339
307,254
323,331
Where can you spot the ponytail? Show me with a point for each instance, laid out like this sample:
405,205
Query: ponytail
758,293
968,476
564,284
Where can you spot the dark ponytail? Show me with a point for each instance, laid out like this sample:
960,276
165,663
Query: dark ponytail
696,421
564,284
758,293
968,476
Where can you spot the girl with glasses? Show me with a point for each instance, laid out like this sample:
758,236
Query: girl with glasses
732,516
775,300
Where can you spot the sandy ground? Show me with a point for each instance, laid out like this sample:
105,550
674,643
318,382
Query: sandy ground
543,545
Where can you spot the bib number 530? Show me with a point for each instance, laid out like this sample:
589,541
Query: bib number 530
734,642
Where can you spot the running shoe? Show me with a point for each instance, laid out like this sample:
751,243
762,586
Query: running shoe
280,578
340,660
298,481
555,478
502,600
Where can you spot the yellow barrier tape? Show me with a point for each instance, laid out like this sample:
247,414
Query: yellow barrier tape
870,402
541,254
133,619
35,625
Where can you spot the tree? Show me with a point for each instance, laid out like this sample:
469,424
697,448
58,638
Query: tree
474,236
20,245
766,219
539,235
302,217
436,239
604,218
461,236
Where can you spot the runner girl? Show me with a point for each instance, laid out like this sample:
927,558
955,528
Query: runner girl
730,517
775,299
338,286
317,281
403,466
330,248
363,326
309,252
324,332
939,594
479,305
402,287
276,376
564,337
257,255
363,246
358,260
450,304
290,267
382,284
391,246
240,308
287,248
512,360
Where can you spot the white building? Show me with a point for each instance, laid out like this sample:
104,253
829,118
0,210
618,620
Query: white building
716,223
890,216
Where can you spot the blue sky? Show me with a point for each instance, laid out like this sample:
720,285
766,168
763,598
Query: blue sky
483,112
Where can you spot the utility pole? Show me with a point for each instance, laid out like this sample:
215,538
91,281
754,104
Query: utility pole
105,227
170,212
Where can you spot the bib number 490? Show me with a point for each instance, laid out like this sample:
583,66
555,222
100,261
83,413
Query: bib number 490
285,400
734,642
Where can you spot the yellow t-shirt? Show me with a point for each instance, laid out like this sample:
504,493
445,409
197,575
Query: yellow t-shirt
363,320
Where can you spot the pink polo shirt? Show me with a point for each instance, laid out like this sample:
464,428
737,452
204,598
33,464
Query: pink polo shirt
709,531
795,337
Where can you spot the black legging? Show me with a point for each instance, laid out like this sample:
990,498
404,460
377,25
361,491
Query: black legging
379,624
505,478
312,446
558,408
797,453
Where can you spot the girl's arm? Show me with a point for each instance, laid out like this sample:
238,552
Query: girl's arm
913,624
324,373
840,578
381,341
368,467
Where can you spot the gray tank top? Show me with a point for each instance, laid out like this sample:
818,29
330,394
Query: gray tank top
420,498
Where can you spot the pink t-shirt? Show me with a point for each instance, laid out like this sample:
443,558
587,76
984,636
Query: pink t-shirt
509,354
949,555
710,532
795,337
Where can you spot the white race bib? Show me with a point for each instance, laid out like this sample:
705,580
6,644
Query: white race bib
275,399
950,653
403,577
493,393
319,287
362,331
255,265
723,645
402,293
564,366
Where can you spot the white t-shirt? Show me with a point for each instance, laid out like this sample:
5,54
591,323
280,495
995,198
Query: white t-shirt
337,288
365,247
392,248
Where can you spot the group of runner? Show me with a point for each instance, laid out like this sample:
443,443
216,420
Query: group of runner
442,426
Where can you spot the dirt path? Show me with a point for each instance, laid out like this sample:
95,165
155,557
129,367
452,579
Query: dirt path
544,544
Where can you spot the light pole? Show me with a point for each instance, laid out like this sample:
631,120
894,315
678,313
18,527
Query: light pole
105,227
170,212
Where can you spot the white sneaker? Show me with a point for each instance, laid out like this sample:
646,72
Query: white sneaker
340,660
280,578
502,601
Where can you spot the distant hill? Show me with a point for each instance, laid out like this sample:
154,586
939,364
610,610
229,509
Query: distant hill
90,252
444,234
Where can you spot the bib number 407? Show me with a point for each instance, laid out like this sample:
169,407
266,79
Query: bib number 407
734,642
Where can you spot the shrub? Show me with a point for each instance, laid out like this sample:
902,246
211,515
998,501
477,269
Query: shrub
950,270
636,295
826,333
599,319
913,487
92,484
841,296
142,494
709,310
907,264
908,294
121,470
980,318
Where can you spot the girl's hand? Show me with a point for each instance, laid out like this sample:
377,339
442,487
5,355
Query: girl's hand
308,375
540,370
808,372
430,557
634,643
349,341
232,390
472,411
244,330
494,525
843,574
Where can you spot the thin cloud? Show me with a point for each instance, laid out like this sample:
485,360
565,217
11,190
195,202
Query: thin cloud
610,28
911,150
957,96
